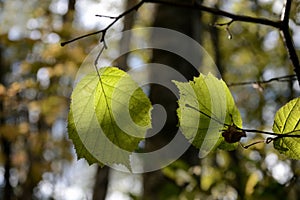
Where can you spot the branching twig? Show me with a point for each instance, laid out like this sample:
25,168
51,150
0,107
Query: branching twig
287,78
234,17
268,140
282,25
239,130
103,31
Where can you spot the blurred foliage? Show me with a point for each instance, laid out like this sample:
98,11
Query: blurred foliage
37,77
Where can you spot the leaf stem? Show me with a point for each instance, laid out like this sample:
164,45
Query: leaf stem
189,106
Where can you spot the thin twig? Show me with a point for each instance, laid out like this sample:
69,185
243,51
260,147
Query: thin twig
268,140
271,133
253,143
80,37
286,78
249,130
106,16
103,31
224,24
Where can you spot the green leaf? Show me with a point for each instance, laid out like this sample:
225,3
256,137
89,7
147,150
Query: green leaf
212,97
81,151
287,121
110,117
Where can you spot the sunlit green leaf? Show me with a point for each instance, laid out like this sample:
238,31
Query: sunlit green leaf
287,121
212,97
110,116
81,151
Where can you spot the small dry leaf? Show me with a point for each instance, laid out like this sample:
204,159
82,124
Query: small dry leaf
233,134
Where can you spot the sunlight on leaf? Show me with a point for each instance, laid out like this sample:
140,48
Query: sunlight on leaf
109,116
287,121
81,151
212,97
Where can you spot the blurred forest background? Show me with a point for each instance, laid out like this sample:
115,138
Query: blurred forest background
37,160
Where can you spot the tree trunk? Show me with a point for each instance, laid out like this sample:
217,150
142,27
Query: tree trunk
129,20
187,22
8,190
69,16
100,187
5,144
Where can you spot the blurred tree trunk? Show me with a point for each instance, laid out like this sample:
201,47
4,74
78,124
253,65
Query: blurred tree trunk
129,20
4,142
8,192
69,16
32,178
187,22
101,183
215,39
